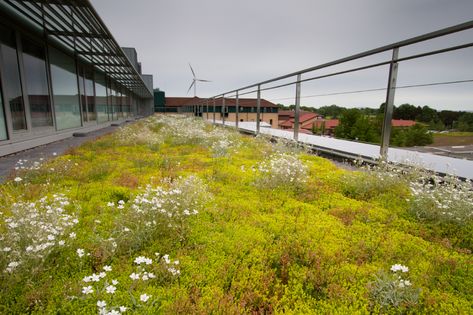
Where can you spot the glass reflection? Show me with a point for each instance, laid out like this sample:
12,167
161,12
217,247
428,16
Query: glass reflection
11,78
90,95
87,94
34,60
101,97
65,93
3,127
83,100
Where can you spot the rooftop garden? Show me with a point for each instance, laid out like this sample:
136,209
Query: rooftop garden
173,215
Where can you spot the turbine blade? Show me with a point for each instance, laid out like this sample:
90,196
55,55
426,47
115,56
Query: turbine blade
193,73
190,87
201,80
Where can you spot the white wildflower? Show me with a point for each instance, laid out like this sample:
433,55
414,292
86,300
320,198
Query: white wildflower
144,297
135,276
87,290
110,289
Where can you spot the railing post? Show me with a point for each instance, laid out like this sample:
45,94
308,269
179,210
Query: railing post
237,105
223,109
258,109
388,107
214,111
207,109
297,109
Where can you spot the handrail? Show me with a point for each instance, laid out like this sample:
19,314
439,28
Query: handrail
390,89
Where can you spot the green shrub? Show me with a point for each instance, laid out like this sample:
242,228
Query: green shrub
393,291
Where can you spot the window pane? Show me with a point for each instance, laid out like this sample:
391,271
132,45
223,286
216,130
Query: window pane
3,127
119,102
34,60
89,91
66,95
110,94
12,83
101,97
113,93
83,101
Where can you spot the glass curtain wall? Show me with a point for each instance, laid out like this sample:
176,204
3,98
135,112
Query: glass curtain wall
111,103
36,80
120,102
126,101
83,100
66,94
90,94
115,100
11,78
101,97
87,94
3,127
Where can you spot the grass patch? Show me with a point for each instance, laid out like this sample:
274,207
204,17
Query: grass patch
187,218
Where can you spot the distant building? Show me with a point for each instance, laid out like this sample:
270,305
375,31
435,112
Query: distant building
324,126
246,109
309,121
62,73
286,119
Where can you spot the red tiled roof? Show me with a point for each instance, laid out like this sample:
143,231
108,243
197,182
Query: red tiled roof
307,116
243,102
291,113
180,101
303,118
402,123
329,123
287,123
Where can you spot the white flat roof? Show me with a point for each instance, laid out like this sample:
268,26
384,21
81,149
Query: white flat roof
437,163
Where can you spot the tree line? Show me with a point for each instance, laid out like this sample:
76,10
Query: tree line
365,124
431,118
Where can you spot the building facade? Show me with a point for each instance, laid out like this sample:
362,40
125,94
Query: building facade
61,73
246,109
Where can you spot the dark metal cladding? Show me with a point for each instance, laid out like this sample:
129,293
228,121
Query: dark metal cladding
76,26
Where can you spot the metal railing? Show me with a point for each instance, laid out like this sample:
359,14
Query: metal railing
393,63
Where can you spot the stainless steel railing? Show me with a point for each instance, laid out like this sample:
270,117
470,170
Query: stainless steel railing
393,63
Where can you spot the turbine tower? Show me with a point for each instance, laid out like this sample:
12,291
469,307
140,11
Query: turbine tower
194,82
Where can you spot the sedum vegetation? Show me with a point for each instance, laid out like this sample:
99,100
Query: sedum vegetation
172,215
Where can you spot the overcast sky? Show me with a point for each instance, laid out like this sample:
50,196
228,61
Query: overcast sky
237,43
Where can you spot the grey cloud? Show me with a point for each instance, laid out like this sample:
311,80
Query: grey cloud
236,43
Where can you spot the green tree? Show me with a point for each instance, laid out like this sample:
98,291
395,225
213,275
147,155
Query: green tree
427,115
322,128
356,126
364,129
406,112
332,111
347,120
416,135
449,117
465,122
315,129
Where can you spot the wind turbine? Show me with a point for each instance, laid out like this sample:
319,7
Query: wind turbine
194,82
